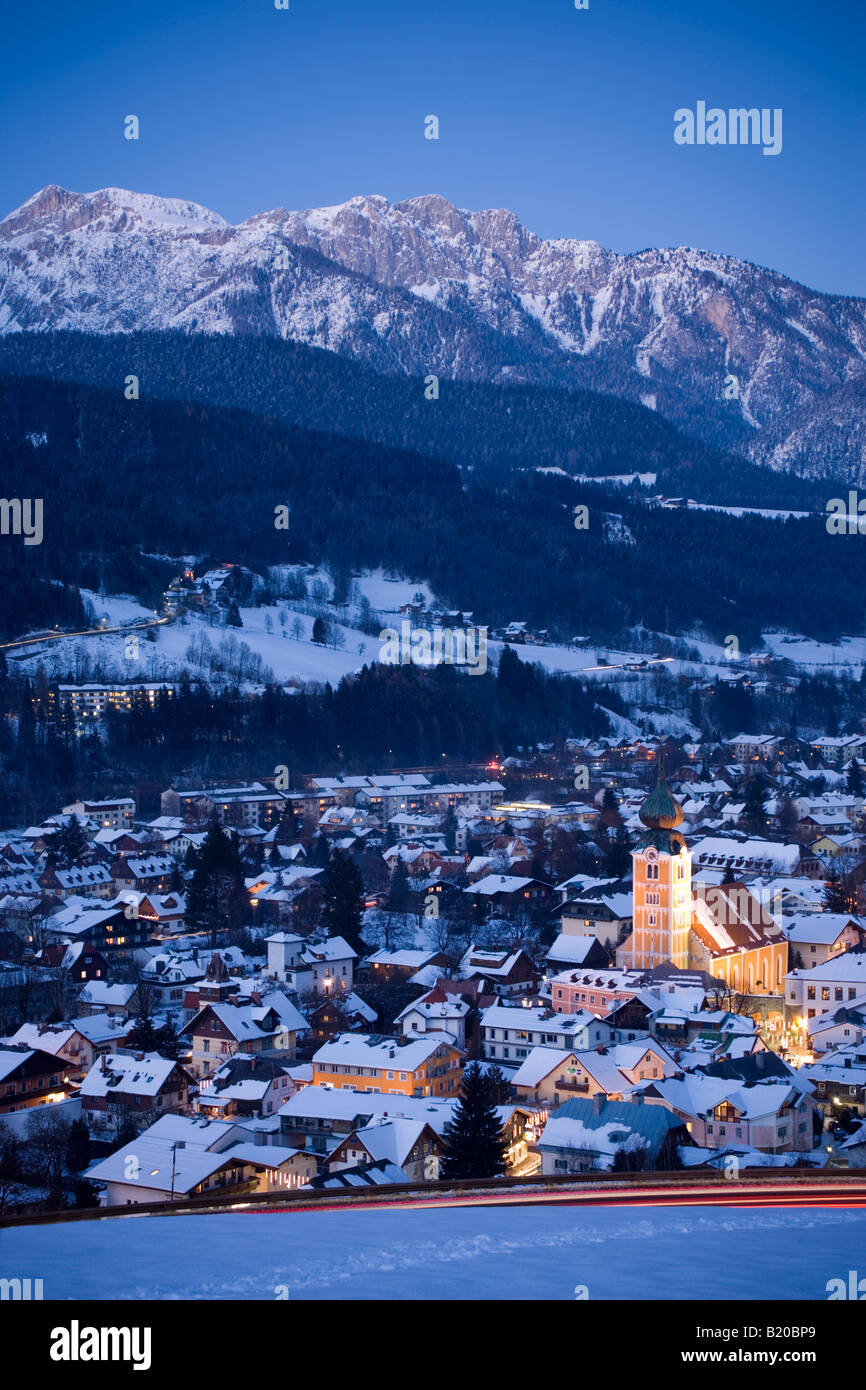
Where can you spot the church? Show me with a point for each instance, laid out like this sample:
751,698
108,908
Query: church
722,929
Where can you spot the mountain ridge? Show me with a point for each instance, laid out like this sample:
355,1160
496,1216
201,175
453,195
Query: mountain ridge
422,287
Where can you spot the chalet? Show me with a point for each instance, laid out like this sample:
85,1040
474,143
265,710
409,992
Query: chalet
92,881
509,1031
508,892
819,936
151,874
218,1031
30,1076
775,1115
340,1014
245,1086
412,1145
80,960
396,966
107,928
132,1088
508,973
309,966
99,997
839,1077
585,1135
568,950
441,1014
64,1041
550,1076
608,916
185,1157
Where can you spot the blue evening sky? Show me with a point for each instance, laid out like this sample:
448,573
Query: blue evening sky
565,116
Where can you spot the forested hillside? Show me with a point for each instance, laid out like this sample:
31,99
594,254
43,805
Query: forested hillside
127,484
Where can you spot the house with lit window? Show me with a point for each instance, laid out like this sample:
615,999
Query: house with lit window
819,936
508,893
775,1115
810,993
245,1086
510,1032
425,1064
219,1030
181,1156
413,1146
29,1076
587,1134
131,1088
550,1076
308,966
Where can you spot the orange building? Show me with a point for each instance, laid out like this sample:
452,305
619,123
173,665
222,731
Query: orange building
721,929
662,914
736,940
419,1064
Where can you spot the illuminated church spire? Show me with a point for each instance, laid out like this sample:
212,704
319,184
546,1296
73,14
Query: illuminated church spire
662,881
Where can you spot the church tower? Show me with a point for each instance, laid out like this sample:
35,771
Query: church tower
662,882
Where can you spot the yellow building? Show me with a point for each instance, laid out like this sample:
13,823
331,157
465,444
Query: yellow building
662,885
723,930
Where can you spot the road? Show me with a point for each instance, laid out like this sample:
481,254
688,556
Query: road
735,1193
137,626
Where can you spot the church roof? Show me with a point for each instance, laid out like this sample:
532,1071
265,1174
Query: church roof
660,811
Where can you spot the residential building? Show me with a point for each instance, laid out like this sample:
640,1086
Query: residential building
426,1064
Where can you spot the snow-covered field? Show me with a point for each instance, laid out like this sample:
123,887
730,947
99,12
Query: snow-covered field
292,656
464,1253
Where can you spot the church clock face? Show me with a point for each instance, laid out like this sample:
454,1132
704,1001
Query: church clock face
652,855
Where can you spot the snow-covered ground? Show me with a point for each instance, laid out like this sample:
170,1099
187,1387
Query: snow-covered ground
293,656
464,1253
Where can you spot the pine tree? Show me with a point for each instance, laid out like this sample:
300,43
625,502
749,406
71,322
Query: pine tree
77,1146
754,808
217,898
476,1148
854,782
398,893
343,888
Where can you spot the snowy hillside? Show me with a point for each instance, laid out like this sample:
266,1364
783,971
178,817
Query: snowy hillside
421,285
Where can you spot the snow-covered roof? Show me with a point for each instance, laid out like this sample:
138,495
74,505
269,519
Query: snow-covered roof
370,1050
131,1075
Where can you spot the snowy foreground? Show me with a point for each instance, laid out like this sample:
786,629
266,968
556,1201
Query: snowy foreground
457,1253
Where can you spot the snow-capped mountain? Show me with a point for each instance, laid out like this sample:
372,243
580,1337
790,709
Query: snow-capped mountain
734,353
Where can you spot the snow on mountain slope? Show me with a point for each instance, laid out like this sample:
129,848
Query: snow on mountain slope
420,286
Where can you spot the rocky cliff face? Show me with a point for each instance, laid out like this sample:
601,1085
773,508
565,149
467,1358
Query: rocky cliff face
737,354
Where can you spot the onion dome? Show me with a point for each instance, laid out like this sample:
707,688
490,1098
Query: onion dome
660,811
